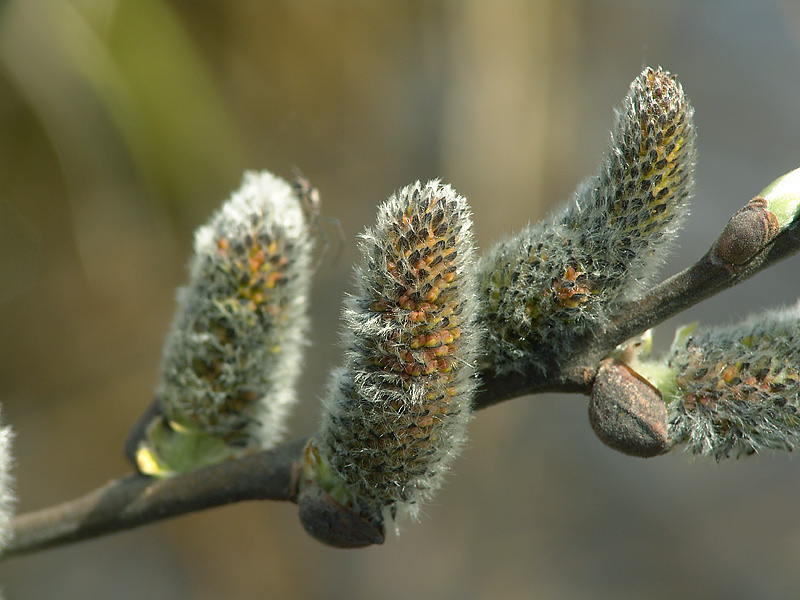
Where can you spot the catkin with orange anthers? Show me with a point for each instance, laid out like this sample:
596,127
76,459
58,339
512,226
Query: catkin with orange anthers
395,414
737,388
233,353
557,280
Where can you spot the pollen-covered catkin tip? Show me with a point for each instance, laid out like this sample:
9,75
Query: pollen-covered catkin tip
233,353
395,415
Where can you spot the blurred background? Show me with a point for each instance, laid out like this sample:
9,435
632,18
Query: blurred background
124,125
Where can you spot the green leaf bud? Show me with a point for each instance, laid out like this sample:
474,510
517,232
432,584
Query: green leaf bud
783,197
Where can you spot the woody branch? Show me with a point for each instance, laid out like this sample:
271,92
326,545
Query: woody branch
748,245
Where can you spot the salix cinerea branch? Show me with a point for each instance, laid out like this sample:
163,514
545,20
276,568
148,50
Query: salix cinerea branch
765,231
137,500
724,390
557,300
758,244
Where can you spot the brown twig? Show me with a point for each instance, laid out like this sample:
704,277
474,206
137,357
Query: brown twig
135,500
746,246
718,270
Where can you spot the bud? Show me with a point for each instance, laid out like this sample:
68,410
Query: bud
233,354
325,508
748,231
395,415
627,412
783,197
553,282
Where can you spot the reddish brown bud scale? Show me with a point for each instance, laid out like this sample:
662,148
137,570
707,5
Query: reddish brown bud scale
627,412
749,230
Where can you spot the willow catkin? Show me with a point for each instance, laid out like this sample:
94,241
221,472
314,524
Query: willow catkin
233,354
7,498
554,281
395,414
737,388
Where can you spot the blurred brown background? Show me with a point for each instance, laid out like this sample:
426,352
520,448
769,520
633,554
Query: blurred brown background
124,125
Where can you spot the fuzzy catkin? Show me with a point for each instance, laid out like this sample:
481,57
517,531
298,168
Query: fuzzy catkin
556,280
738,387
7,499
395,415
233,354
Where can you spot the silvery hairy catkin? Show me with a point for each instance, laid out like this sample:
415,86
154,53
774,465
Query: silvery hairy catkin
395,414
7,499
737,388
233,353
559,279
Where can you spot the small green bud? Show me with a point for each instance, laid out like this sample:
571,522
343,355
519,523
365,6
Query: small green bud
234,351
783,197
395,415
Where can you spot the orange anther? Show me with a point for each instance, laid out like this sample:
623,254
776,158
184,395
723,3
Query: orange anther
442,350
432,339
